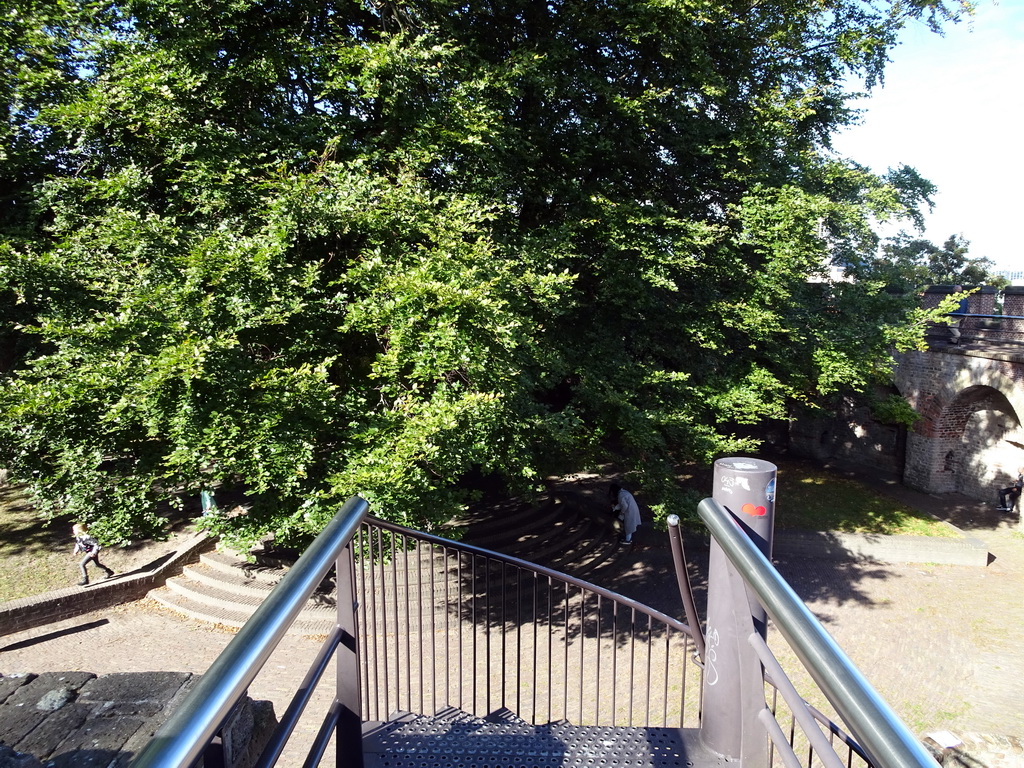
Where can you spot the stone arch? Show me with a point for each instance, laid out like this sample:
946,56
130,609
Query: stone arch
977,431
971,437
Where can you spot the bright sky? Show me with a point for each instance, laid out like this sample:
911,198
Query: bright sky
953,108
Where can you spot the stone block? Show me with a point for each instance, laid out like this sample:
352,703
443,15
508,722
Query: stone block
10,683
133,693
96,744
247,733
42,687
52,730
17,722
10,758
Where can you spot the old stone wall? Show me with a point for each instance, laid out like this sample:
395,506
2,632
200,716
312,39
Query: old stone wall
38,610
851,434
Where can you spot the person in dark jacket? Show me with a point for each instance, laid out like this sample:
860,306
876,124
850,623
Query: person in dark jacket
87,544
1008,496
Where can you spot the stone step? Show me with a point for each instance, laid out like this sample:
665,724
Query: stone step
220,594
228,581
508,524
233,564
236,614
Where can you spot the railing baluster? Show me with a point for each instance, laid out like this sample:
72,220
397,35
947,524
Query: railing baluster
565,661
664,696
474,566
647,681
384,603
419,617
615,662
583,645
447,632
504,632
460,655
433,629
487,635
408,621
597,692
550,664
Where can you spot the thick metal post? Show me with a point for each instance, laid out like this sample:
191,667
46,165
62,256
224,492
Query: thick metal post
349,740
733,689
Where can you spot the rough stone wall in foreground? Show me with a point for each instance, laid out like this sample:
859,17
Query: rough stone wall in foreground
79,720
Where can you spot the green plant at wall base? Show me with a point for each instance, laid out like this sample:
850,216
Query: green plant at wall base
895,410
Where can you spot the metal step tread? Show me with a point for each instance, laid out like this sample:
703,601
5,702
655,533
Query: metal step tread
454,738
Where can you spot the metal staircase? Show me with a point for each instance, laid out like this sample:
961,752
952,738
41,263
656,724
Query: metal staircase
526,667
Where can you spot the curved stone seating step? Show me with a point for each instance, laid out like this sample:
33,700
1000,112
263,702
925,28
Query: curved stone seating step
225,589
563,533
506,523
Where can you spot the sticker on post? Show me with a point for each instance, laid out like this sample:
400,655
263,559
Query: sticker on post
769,492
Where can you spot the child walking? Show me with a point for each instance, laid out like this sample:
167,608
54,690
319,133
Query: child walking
86,543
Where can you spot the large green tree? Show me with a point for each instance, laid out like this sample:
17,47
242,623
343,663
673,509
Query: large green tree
321,248
910,263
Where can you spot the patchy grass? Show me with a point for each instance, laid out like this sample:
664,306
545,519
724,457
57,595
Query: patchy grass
812,498
35,555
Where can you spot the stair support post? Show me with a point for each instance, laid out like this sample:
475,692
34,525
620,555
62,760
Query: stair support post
349,741
733,691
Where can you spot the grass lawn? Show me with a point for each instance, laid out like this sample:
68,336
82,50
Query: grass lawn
812,498
35,556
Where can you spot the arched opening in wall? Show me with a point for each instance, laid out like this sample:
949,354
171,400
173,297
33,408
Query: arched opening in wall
983,435
949,462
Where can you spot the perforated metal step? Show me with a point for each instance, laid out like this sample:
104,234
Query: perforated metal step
453,739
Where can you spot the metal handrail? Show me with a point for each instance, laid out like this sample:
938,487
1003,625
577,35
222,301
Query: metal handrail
989,317
871,721
182,739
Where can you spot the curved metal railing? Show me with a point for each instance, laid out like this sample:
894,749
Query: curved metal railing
426,622
447,623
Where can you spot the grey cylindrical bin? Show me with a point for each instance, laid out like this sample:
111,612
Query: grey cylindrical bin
746,488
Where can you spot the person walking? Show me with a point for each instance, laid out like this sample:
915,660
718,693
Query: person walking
1008,496
626,506
87,544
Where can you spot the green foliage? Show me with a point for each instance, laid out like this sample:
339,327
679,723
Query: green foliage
317,249
909,264
895,410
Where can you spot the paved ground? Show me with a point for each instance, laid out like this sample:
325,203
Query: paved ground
941,643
